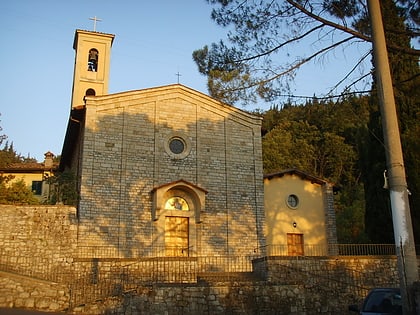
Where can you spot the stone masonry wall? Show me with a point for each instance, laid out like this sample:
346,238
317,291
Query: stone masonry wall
39,269
293,286
36,253
126,156
207,299
29,293
330,219
37,240
361,271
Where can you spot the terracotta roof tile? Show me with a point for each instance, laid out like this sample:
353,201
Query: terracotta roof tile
27,167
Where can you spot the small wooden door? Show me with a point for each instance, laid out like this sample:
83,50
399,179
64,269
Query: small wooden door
176,236
295,244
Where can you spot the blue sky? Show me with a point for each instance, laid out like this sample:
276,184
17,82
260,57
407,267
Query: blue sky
154,41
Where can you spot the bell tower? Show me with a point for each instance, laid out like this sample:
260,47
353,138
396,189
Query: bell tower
91,67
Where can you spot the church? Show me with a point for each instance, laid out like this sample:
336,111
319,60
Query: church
167,171
174,213
171,172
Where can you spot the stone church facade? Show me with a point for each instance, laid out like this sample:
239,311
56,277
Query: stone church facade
161,171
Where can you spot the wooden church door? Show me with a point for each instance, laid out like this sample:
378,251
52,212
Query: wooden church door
176,236
295,244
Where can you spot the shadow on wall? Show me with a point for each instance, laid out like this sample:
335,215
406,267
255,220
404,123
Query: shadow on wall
127,155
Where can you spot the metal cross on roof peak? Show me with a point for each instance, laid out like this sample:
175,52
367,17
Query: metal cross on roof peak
178,75
95,19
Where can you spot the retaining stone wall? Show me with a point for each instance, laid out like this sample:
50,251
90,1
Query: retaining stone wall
41,242
361,271
24,292
220,298
38,241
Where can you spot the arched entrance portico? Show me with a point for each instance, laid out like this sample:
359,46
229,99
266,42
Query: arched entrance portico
176,211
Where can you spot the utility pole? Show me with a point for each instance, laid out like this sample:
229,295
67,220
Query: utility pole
401,217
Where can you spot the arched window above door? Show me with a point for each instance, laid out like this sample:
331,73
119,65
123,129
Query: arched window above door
177,203
178,198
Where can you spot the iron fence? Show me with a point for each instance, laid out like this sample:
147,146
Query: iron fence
110,273
327,250
364,249
225,263
150,263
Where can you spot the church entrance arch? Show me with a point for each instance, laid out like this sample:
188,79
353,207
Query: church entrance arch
176,211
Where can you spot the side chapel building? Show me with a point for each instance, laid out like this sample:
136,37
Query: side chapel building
166,171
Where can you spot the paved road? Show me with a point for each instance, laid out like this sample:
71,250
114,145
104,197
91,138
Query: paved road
17,311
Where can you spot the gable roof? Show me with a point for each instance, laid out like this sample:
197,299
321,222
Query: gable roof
77,115
299,173
32,167
167,92
28,168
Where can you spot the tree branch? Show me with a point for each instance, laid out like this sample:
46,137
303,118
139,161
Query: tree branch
329,23
281,45
350,72
408,51
293,67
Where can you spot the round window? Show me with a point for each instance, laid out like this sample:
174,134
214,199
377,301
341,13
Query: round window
292,201
176,145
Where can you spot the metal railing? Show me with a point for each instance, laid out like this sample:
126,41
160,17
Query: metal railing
110,272
48,269
327,250
364,249
225,263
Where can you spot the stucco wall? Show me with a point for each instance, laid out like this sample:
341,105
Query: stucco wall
310,215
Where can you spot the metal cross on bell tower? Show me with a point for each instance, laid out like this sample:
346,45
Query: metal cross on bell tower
95,19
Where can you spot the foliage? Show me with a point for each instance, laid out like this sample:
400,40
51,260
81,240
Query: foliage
322,138
264,50
65,189
15,192
269,41
2,136
350,215
8,155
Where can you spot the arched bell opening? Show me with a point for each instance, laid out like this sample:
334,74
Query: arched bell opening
93,60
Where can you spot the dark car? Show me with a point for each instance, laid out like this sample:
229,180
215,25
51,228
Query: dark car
380,301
